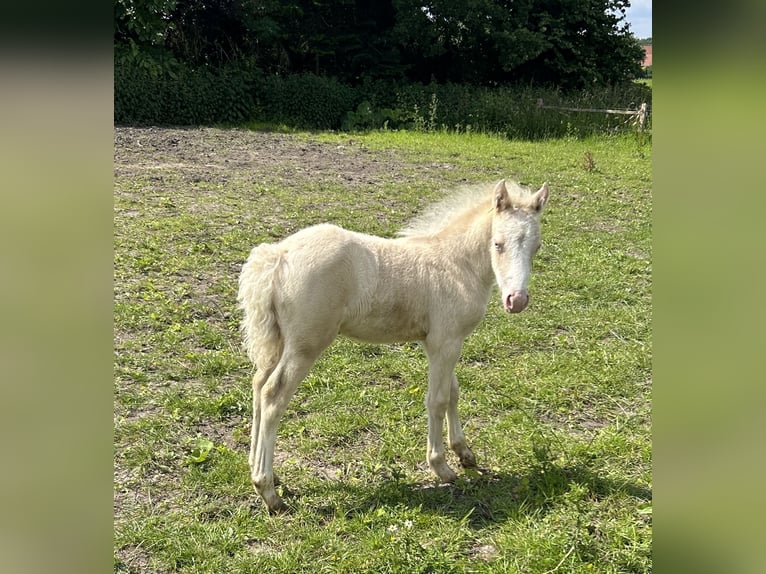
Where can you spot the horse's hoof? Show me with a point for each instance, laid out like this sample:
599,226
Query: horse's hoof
277,507
468,460
448,476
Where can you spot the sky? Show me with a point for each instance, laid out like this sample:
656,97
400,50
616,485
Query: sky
640,17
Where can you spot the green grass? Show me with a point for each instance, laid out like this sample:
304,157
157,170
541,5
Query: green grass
556,401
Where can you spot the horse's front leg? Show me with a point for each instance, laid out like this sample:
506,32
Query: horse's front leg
455,434
442,359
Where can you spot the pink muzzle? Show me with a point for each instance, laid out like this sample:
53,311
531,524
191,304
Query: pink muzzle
516,301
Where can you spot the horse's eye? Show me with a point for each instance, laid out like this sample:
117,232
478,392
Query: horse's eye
499,247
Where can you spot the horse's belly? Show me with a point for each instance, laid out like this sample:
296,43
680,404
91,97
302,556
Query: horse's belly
386,328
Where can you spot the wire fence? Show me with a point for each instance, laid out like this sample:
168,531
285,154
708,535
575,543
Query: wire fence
639,116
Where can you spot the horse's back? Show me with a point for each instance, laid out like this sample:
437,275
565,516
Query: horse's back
359,285
329,255
327,273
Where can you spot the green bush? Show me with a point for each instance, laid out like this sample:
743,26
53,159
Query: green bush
164,92
648,72
183,96
304,101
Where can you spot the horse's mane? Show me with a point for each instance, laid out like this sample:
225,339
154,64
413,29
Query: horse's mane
455,205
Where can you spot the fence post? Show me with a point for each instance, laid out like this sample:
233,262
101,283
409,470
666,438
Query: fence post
642,117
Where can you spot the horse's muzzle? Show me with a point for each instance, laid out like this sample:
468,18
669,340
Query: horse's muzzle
516,301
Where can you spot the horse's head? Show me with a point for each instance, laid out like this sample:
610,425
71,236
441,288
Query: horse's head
515,240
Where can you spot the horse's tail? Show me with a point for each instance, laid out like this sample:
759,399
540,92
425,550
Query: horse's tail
257,287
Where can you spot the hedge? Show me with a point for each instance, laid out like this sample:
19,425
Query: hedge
242,94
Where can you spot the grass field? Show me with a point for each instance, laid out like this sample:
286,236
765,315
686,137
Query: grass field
556,401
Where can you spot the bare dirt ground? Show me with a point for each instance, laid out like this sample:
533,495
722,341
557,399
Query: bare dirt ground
212,154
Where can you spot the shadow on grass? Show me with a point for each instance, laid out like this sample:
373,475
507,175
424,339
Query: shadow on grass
480,498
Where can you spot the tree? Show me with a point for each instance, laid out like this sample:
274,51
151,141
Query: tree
143,22
348,39
201,32
587,43
570,43
567,43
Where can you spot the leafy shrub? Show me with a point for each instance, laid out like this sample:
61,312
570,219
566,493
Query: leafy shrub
162,91
647,72
304,101
181,95
368,118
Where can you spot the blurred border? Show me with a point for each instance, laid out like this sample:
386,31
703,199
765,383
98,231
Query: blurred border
709,86
56,151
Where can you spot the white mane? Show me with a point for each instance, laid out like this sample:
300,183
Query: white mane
442,213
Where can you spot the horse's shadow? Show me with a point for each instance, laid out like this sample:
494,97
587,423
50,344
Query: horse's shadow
479,497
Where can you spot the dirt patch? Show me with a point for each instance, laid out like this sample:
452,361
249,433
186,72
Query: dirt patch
132,559
216,156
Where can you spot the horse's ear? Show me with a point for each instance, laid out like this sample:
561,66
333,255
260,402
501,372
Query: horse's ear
540,198
502,199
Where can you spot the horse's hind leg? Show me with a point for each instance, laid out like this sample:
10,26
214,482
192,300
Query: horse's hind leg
275,394
259,378
455,430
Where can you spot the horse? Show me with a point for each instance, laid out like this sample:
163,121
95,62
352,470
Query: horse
432,284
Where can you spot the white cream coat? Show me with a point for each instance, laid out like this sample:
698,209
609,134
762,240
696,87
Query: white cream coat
432,285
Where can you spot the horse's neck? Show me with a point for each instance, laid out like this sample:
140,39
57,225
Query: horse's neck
469,242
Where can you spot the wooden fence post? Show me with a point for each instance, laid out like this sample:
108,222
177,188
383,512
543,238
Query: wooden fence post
642,117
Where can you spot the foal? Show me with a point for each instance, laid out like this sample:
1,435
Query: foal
431,285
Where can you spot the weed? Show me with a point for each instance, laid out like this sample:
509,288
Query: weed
588,163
